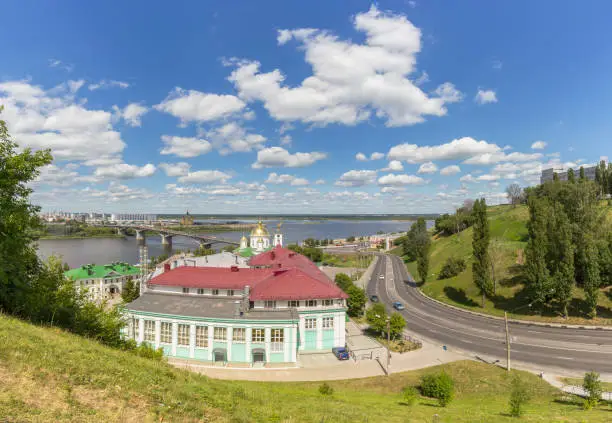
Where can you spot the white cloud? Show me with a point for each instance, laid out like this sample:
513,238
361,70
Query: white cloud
361,157
74,86
276,179
197,106
539,145
428,167
376,156
485,96
320,182
356,178
399,180
232,137
108,84
57,176
175,169
492,158
450,170
457,149
132,113
54,63
394,166
467,178
286,140
184,146
279,157
204,177
125,171
350,81
488,177
392,190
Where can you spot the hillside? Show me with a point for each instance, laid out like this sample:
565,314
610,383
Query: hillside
49,375
509,228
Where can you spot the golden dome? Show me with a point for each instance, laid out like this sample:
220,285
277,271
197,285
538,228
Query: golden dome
244,238
260,230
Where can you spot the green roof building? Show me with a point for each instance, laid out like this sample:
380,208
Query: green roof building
103,281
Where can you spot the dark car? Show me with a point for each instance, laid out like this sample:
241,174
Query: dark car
341,353
374,298
398,306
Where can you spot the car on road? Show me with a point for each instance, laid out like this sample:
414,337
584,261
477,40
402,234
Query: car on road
374,298
381,277
341,353
398,306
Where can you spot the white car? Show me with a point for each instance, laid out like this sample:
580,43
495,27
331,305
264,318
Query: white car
381,277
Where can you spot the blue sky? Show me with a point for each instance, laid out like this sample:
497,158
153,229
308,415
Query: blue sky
303,107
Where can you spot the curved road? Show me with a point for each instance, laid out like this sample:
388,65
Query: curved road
575,349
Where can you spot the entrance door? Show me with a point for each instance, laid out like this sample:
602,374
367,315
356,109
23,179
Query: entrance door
259,356
219,355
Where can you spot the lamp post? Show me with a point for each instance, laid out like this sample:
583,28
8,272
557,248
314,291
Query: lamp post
388,321
508,333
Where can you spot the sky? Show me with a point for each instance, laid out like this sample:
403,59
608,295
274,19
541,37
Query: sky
303,107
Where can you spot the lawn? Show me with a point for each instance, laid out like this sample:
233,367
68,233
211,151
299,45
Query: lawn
508,228
607,386
359,261
49,375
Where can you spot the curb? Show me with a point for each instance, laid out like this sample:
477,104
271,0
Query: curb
516,321
363,280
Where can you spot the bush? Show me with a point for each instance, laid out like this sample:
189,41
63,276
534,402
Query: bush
519,396
147,351
592,385
439,386
452,267
410,395
326,389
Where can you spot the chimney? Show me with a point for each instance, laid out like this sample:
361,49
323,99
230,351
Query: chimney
245,298
237,312
166,267
234,269
273,255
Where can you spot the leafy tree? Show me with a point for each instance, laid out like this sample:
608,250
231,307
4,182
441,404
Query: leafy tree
397,324
452,267
309,242
350,239
356,301
515,194
561,256
343,281
130,291
519,396
481,265
592,385
439,386
422,243
571,177
591,277
376,316
536,270
582,175
496,255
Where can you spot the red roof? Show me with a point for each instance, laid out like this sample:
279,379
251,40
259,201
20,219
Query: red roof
211,277
294,284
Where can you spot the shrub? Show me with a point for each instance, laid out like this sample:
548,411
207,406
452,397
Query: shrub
439,386
452,267
592,385
326,389
410,395
148,351
519,396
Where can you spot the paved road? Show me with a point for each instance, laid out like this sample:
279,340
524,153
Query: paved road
573,349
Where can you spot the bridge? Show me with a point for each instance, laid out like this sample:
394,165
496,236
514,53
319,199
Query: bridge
166,234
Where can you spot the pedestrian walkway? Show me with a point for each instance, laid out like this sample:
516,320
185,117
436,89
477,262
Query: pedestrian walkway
572,389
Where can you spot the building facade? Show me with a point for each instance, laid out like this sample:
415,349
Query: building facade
548,174
279,307
103,282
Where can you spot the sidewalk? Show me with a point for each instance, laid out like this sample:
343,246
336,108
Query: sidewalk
572,389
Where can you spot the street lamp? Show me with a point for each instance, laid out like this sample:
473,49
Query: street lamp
388,321
508,333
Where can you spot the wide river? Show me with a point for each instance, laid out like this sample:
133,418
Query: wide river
106,250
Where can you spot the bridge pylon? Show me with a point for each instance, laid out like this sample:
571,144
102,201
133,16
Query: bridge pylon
166,239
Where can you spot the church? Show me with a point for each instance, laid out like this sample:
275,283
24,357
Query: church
265,314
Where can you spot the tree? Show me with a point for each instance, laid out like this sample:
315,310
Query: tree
350,239
481,265
376,316
422,243
130,291
440,386
592,385
571,177
561,256
515,193
18,221
582,175
343,281
356,301
519,396
536,270
309,242
592,279
397,324
496,255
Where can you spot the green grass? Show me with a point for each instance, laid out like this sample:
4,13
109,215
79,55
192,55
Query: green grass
49,375
348,260
508,227
607,386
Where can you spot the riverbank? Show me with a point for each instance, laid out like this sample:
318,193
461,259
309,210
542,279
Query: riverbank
59,237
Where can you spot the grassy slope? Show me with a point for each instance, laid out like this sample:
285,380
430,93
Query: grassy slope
508,225
48,375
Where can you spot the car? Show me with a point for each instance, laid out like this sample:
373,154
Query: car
374,298
398,306
341,353
381,277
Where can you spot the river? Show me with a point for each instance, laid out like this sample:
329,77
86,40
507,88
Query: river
77,252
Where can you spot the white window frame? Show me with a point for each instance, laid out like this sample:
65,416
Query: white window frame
230,293
239,335
327,322
149,330
258,335
269,304
136,324
294,303
200,291
277,338
328,302
311,303
220,333
201,340
185,290
310,323
182,335
215,292
165,333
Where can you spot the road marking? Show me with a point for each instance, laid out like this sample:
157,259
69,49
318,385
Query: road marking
565,358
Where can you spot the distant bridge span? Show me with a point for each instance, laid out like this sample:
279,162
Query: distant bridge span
167,234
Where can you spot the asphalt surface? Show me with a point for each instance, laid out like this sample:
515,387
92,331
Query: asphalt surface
567,348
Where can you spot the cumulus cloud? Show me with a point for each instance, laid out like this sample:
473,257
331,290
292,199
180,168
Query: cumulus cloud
184,146
492,158
279,157
132,113
232,137
450,170
276,179
175,169
57,176
350,81
196,106
320,182
125,171
204,177
376,156
485,96
457,149
394,166
402,179
539,145
356,178
428,167
467,178
361,157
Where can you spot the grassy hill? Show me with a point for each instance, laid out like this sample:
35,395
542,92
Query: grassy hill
509,228
49,375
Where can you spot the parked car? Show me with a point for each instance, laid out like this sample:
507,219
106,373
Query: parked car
341,353
398,306
381,277
374,299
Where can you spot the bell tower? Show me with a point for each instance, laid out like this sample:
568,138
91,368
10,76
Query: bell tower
278,236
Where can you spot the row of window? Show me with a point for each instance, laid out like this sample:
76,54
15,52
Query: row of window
326,323
258,335
96,281
306,303
200,291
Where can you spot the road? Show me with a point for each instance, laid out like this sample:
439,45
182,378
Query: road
568,348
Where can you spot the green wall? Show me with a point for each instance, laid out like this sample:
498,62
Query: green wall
239,353
310,339
182,352
201,354
277,357
328,339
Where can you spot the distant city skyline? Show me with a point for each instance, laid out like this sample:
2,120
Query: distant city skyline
303,107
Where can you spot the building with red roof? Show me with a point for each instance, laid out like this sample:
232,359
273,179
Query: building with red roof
269,313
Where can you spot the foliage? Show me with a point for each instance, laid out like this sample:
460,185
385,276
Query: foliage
343,281
519,396
439,386
356,301
449,224
397,323
314,254
592,385
350,239
515,194
481,266
325,389
423,244
410,395
202,251
452,267
145,350
130,291
376,317
536,270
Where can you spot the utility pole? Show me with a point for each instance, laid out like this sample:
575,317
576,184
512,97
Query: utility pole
507,342
388,344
